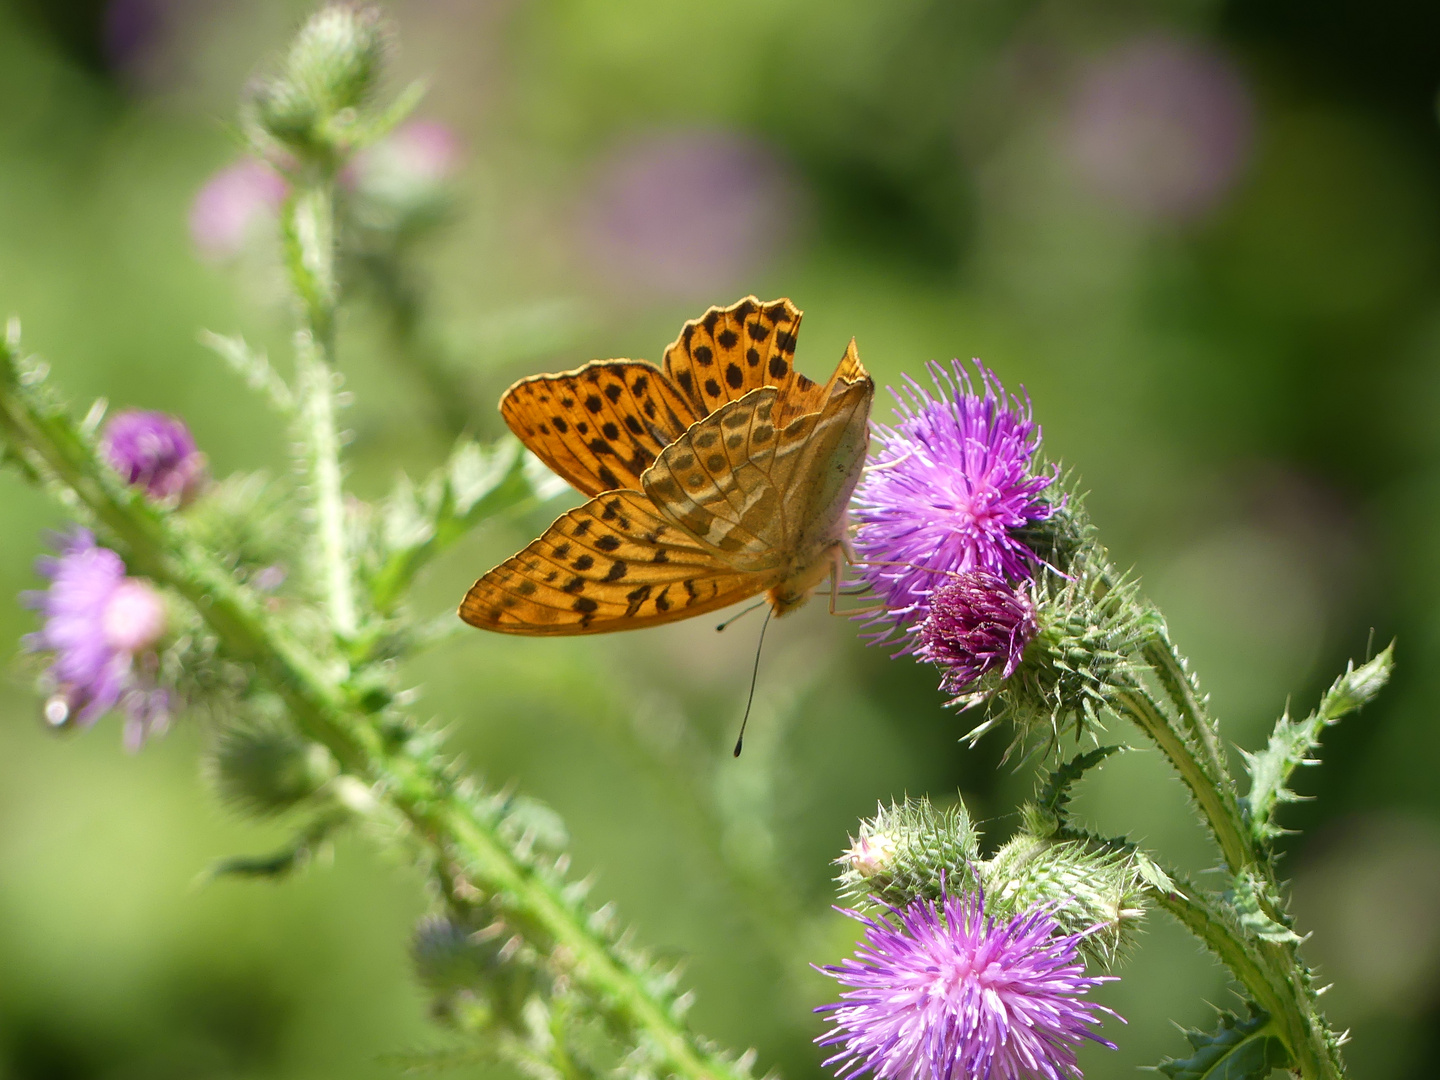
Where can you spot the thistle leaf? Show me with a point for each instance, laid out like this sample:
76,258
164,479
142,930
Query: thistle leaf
1249,903
1293,741
252,366
1054,794
418,523
1238,1049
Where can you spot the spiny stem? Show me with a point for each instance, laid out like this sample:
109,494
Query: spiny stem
1270,971
446,823
310,249
1222,815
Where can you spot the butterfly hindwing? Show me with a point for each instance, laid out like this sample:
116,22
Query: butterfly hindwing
613,564
601,426
713,482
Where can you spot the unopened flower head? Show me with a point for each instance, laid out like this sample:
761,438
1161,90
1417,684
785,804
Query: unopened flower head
154,451
946,992
947,492
978,623
870,854
100,626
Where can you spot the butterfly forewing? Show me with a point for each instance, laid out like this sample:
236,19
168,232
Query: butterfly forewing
744,469
728,352
612,564
600,426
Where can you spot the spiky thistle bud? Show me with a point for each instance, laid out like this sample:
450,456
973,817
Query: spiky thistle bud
470,971
1090,626
912,851
331,71
262,766
1093,889
909,850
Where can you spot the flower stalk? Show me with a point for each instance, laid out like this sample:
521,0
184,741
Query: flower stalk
310,259
448,822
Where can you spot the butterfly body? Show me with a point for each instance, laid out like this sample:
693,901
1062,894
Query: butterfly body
719,476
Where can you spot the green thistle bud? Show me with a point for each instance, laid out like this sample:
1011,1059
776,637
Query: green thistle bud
913,851
1092,888
330,73
909,850
470,972
261,766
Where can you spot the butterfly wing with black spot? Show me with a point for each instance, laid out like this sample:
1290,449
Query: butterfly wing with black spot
613,564
767,496
600,426
728,352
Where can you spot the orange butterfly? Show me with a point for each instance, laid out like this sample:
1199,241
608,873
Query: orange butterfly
722,474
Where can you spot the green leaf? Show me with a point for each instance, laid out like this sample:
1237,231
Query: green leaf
252,366
1054,794
1293,742
417,524
1238,1049
1250,897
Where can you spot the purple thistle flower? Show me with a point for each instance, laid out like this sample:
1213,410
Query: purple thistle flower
951,484
978,623
956,995
154,451
101,627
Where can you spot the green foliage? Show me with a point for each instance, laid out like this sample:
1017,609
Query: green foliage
1054,793
1253,900
417,523
1238,1049
1293,742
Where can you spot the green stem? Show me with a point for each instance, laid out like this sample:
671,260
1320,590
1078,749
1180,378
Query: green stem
1271,971
446,823
310,247
1221,814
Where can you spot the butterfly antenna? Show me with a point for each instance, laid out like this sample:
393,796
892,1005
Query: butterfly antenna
752,607
754,675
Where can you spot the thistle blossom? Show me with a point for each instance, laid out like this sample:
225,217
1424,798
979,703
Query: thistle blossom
101,627
154,451
977,624
950,486
949,993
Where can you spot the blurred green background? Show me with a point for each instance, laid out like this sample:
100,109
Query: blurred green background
1202,234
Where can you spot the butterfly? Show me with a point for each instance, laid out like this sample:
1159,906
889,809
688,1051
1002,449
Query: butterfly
719,475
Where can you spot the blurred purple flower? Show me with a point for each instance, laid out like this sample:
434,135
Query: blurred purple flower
946,491
154,451
231,204
977,623
423,151
131,31
100,627
1162,126
956,995
686,214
